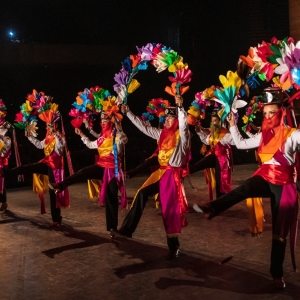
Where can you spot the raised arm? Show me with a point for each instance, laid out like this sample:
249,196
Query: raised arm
239,141
148,130
203,134
86,140
182,121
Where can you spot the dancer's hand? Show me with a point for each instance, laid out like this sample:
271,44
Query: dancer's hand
79,132
27,133
118,126
124,109
231,119
178,100
198,127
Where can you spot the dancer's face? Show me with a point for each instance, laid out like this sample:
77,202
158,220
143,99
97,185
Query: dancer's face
215,121
105,124
270,110
52,127
169,122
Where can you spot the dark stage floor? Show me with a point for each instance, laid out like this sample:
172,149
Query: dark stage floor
78,260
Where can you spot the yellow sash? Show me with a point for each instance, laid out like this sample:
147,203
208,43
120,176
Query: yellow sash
94,188
1,145
213,141
165,155
48,149
256,215
154,177
106,147
210,175
40,183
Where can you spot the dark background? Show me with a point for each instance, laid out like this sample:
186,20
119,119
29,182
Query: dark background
210,35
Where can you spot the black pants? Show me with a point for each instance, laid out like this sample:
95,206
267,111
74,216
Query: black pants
209,161
134,215
3,196
257,187
112,203
148,163
41,168
173,243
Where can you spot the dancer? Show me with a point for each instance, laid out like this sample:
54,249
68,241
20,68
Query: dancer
277,146
218,161
173,145
5,152
53,164
108,168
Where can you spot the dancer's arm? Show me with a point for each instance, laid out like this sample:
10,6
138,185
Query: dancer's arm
227,139
239,141
86,140
203,134
37,143
182,121
94,133
148,130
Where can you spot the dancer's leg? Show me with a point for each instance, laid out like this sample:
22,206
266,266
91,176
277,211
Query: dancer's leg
91,172
253,187
208,161
112,205
135,213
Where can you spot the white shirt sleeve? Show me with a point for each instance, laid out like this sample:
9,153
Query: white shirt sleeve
242,143
90,144
204,137
148,130
37,143
227,140
183,125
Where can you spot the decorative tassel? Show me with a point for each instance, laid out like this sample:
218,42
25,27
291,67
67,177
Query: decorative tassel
42,201
115,154
17,155
68,154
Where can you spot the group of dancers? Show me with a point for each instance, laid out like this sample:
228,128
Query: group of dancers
276,143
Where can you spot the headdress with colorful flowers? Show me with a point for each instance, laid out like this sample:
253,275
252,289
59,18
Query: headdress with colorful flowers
281,57
255,105
157,107
95,100
162,58
35,104
198,107
227,96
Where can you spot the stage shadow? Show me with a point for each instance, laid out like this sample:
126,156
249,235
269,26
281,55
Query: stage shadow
204,272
